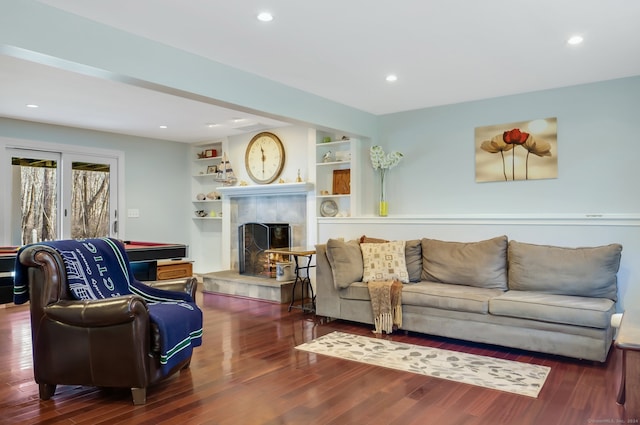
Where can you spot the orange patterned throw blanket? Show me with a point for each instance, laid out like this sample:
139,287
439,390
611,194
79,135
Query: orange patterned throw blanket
386,297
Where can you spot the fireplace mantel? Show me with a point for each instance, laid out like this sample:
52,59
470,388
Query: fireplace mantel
266,190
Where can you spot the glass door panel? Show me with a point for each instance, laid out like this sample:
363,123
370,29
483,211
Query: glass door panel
90,196
35,191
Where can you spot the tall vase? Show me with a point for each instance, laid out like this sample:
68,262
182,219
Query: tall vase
382,206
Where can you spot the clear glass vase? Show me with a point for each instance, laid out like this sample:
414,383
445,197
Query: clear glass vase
383,206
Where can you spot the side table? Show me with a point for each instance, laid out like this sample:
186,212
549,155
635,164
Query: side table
299,256
628,340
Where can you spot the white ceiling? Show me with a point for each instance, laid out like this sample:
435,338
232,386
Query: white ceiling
443,52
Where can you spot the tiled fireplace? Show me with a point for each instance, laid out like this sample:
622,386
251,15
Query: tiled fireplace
276,204
290,208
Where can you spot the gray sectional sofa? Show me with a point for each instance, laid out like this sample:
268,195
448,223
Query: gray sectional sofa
548,299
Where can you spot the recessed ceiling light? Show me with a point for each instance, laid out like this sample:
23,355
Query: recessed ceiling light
265,17
32,105
211,125
391,78
575,39
163,126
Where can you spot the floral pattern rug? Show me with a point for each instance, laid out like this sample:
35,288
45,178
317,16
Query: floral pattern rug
504,375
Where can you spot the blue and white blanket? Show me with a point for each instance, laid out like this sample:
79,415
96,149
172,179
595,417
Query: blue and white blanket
99,269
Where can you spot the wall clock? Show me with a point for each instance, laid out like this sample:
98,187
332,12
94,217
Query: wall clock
264,158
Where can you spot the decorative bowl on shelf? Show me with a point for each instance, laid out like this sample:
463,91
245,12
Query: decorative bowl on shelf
328,208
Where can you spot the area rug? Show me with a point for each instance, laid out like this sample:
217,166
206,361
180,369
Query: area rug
498,374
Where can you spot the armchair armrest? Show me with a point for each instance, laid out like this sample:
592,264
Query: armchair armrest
92,313
187,285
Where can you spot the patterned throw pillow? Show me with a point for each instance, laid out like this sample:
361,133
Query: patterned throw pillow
384,261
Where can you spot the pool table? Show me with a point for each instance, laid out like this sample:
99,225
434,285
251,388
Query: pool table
143,256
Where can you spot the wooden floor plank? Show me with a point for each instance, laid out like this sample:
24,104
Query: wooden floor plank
247,371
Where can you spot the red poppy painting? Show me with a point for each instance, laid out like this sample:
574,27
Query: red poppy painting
526,150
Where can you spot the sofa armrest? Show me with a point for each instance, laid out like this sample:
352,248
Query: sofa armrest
94,313
188,285
327,297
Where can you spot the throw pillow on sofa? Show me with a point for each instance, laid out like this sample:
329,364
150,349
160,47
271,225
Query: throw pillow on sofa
345,259
481,264
412,255
585,271
384,261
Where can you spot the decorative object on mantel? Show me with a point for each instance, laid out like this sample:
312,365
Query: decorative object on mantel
383,163
538,137
298,179
225,172
264,158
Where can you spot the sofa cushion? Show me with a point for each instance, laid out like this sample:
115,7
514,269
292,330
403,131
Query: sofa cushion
565,309
384,261
345,259
355,291
449,297
413,258
482,264
584,272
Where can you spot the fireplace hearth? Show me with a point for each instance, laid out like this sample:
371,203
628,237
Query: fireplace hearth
254,239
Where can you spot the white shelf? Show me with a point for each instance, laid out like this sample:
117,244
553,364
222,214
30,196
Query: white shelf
333,196
321,164
207,218
211,158
212,175
334,143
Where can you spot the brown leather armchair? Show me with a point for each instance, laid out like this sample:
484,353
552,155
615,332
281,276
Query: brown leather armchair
104,343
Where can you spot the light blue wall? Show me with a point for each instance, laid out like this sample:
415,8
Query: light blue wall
157,176
598,154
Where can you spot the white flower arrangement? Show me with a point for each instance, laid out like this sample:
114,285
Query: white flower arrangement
382,161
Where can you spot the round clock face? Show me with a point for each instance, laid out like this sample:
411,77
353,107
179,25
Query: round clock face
264,158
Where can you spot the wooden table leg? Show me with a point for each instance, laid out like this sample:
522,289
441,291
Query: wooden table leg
622,390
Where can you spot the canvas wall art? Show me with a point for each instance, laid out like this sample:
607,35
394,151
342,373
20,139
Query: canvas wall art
526,150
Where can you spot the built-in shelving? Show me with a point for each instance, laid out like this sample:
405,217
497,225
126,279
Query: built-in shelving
206,233
335,159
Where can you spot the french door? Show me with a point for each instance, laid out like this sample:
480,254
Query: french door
58,195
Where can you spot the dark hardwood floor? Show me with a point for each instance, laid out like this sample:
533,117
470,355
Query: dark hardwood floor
248,372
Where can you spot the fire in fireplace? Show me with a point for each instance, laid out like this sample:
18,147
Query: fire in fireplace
254,239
